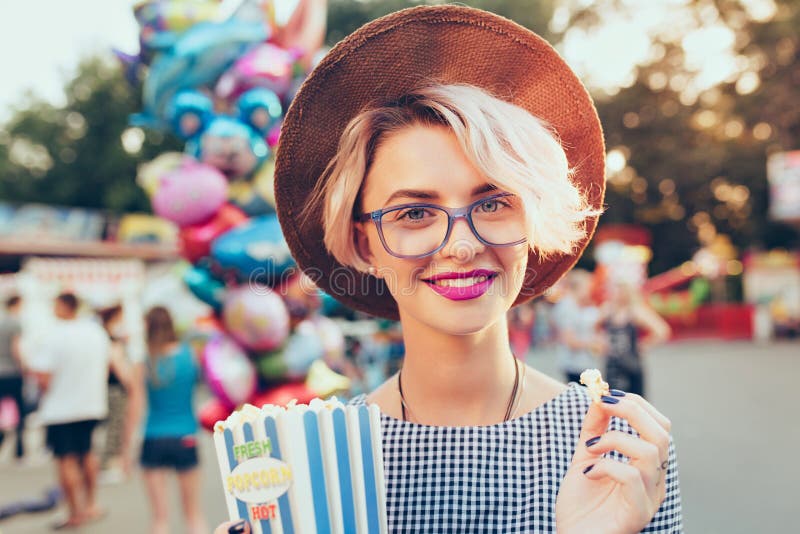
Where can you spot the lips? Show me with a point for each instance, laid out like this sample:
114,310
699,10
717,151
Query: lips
462,286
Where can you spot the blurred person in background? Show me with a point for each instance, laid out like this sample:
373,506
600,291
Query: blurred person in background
11,367
576,317
520,329
169,377
119,428
71,368
622,318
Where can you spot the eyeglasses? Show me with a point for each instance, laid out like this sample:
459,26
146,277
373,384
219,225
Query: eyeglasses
420,229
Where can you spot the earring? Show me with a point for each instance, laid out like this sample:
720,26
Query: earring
372,270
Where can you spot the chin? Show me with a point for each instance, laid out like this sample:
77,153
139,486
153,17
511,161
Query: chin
459,318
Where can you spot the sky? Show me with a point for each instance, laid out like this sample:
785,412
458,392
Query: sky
41,42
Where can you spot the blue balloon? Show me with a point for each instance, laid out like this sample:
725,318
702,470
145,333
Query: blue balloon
255,251
198,57
204,286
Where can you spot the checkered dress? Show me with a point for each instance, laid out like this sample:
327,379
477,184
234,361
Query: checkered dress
501,478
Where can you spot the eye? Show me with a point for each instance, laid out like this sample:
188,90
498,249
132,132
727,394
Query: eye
492,205
414,214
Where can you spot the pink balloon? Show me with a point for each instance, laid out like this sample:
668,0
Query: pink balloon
256,317
190,194
230,374
266,65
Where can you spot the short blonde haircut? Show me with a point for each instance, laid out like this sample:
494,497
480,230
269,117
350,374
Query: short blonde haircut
516,151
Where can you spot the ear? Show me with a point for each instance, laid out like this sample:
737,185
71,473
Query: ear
361,241
189,112
259,108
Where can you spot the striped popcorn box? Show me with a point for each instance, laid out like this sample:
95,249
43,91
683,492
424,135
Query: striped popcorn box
304,469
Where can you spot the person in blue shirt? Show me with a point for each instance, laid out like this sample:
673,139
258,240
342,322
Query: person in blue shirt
168,377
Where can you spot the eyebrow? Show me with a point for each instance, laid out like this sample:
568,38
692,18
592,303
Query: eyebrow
433,195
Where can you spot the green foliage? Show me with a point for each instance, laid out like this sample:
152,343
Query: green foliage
74,155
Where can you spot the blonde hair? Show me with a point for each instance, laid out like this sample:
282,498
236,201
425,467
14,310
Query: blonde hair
516,151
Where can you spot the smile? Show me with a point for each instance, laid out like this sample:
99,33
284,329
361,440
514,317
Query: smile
462,286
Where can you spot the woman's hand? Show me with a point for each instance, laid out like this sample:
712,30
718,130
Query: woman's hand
233,527
603,495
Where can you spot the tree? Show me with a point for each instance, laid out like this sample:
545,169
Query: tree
74,155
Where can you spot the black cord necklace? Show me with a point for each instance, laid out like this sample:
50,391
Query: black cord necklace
509,409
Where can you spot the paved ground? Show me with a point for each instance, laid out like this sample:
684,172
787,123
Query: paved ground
736,427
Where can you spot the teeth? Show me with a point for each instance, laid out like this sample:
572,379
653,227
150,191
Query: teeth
460,282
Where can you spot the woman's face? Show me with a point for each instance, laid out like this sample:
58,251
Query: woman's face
426,164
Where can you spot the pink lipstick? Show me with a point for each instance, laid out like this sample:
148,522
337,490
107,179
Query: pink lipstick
462,286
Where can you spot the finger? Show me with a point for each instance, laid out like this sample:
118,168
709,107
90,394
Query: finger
630,481
662,419
595,423
643,455
640,419
233,527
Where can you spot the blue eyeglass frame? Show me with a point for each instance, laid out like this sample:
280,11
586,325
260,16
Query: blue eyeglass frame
452,214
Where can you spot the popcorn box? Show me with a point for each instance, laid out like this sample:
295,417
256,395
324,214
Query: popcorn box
304,469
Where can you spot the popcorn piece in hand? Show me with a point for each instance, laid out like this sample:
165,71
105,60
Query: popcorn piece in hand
593,380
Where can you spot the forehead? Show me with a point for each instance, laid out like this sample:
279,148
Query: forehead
421,158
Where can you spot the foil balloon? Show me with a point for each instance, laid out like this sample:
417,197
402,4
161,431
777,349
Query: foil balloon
190,194
267,65
198,57
325,382
256,317
204,286
302,349
284,394
195,240
211,411
256,251
229,372
330,335
148,175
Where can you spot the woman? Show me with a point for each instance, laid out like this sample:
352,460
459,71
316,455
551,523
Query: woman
424,153
169,445
622,317
118,427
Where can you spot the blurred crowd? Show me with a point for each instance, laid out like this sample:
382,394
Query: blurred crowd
79,375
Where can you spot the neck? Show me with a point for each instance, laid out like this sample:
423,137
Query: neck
457,380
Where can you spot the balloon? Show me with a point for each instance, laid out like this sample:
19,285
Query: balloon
255,250
212,411
266,65
284,394
149,174
196,239
229,372
199,56
256,317
190,194
303,348
204,286
325,382
330,335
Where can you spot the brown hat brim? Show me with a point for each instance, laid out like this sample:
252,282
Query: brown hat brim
393,55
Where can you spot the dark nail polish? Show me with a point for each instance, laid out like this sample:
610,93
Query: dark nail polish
237,528
617,393
609,400
588,469
590,442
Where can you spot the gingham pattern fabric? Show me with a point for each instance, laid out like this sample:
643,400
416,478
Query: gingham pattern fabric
502,478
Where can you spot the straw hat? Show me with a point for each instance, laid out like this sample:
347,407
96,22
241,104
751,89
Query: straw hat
393,55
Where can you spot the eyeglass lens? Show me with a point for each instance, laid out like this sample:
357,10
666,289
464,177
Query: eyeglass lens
417,231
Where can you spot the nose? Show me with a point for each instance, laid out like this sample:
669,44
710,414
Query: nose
462,245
